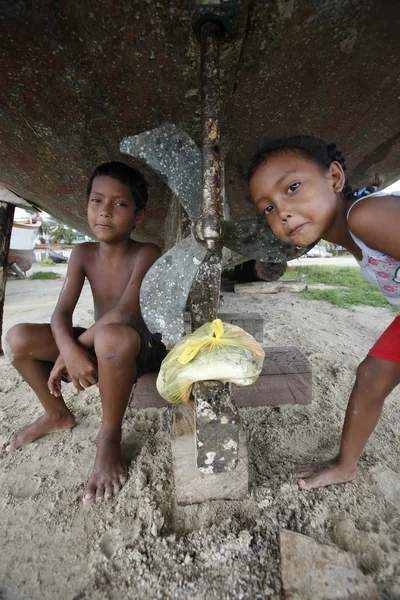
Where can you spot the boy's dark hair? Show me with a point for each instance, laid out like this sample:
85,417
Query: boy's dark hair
125,174
313,149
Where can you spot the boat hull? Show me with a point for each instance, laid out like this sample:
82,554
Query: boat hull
77,80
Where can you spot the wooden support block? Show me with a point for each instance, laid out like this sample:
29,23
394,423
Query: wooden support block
144,393
192,486
270,287
217,424
253,323
286,378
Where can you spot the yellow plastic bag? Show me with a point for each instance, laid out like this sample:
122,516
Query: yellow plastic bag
216,351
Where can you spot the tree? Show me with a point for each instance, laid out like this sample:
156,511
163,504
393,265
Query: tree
44,232
53,231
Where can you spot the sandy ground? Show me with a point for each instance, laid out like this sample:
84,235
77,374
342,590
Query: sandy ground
140,545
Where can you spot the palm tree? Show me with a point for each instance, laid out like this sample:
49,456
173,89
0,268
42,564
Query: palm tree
44,232
58,233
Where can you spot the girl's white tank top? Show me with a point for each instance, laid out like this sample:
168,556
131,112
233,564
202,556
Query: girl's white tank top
378,268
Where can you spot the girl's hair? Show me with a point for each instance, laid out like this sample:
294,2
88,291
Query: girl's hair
313,149
126,175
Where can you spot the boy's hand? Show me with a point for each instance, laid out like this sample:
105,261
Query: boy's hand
81,367
54,381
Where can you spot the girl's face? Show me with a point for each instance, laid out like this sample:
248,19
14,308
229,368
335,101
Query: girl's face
299,200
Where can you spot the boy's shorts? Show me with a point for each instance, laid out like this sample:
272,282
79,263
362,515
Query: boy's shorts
151,354
388,345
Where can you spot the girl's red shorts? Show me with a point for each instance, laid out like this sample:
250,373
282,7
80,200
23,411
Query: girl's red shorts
388,345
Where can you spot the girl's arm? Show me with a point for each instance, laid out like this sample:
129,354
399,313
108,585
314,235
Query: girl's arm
376,222
61,320
127,310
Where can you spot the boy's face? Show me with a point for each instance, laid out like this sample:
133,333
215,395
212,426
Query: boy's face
112,213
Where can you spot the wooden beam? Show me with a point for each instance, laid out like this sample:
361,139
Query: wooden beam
11,198
191,485
286,378
6,221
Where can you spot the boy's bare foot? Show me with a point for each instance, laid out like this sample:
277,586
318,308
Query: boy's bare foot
315,475
47,423
109,472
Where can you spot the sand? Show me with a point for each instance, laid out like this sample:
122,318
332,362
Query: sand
141,545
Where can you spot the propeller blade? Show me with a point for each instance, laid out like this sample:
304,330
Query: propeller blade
253,238
174,156
166,286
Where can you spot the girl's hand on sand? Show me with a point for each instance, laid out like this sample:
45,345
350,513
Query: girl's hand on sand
81,367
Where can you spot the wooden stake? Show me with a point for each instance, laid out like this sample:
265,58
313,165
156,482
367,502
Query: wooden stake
193,486
6,221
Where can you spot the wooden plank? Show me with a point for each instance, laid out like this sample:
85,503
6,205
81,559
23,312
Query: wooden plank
286,378
284,359
253,323
10,198
192,486
273,390
217,423
145,395
270,287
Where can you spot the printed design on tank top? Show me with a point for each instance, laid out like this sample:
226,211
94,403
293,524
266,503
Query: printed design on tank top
387,278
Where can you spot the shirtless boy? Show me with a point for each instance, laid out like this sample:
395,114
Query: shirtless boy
117,348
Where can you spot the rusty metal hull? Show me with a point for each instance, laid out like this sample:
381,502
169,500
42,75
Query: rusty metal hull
76,78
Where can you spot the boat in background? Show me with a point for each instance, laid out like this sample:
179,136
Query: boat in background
23,237
57,257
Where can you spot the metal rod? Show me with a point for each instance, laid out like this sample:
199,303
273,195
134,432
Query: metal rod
210,104
6,221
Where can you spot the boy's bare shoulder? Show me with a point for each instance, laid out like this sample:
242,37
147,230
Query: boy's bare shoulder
147,249
86,249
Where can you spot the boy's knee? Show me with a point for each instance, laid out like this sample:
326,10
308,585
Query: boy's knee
15,341
115,340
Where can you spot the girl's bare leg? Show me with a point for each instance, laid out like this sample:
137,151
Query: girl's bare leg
116,347
376,378
32,351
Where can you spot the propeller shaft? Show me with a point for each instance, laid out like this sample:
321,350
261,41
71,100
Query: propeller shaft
210,103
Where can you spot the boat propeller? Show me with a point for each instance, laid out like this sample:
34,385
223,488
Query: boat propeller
175,157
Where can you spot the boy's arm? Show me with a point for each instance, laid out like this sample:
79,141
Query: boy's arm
79,363
128,308
376,222
61,320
